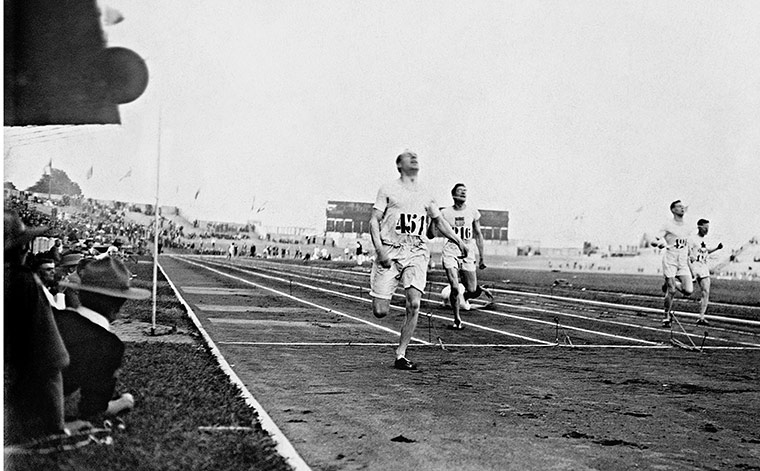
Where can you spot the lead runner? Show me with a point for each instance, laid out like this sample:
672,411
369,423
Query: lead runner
401,214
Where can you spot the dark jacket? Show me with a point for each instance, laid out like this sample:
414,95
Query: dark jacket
96,355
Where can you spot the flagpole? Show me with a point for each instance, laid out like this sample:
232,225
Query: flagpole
155,230
50,180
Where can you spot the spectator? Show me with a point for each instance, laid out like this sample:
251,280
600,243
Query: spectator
44,268
67,272
55,251
90,250
96,353
34,353
115,248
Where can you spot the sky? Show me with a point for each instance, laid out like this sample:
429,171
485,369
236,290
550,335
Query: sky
583,119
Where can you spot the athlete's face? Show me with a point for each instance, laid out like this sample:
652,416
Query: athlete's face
703,229
460,195
408,162
679,209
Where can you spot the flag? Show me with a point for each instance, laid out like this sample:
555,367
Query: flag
126,175
197,193
89,173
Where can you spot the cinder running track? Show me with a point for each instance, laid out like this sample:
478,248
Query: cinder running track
527,385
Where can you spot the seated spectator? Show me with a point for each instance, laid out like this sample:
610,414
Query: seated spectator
96,353
34,353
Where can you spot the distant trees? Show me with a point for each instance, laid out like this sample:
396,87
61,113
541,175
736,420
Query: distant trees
61,184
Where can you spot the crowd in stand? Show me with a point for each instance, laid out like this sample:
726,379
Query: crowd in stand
65,282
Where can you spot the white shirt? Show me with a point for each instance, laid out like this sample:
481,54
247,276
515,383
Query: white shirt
58,301
94,317
407,209
676,235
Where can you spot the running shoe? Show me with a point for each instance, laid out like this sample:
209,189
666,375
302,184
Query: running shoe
489,295
404,364
666,322
702,322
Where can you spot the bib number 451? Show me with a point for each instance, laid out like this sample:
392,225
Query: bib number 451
412,224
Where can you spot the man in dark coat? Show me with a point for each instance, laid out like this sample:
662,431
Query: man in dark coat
96,352
33,348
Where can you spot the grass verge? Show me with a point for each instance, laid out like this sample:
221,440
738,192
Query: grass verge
180,392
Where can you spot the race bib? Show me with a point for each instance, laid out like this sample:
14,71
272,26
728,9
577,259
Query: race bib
679,243
411,224
463,231
702,253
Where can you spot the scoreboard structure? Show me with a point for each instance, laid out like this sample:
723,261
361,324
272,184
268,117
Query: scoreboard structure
494,224
351,217
348,217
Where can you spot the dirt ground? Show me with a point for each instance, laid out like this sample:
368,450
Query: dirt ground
474,408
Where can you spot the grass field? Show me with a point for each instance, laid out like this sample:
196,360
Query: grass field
178,388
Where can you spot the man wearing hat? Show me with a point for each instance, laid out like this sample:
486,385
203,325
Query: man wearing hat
96,352
67,272
34,351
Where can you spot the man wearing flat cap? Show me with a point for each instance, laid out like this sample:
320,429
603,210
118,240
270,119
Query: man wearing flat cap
96,353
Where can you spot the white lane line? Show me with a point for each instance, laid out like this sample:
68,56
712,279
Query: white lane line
356,298
629,307
224,308
317,344
747,346
302,301
528,308
573,300
282,444
216,291
658,329
468,345
478,326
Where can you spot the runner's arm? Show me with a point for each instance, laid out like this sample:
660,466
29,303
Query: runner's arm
377,242
444,228
478,235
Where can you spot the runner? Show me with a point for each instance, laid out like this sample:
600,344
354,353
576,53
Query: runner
400,216
466,223
673,238
698,253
